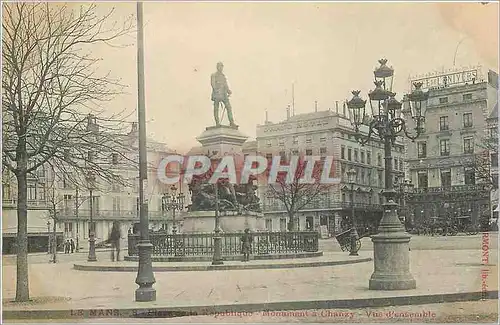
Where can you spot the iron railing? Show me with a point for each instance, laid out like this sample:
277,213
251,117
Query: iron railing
455,188
277,207
202,244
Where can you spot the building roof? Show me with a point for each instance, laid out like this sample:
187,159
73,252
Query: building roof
309,116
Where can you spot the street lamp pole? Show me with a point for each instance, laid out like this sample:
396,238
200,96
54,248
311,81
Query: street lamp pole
92,257
217,257
391,244
351,176
145,277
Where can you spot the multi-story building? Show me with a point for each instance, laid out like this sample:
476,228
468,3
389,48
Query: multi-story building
111,201
445,163
328,133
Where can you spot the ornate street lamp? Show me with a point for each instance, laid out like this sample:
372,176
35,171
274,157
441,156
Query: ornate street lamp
391,244
351,178
91,183
173,202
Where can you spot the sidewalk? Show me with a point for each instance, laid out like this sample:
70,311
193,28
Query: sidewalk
440,275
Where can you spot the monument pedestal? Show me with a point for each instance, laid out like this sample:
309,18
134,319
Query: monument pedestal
222,139
229,221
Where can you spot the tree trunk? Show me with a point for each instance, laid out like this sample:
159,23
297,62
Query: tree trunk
294,224
54,240
22,283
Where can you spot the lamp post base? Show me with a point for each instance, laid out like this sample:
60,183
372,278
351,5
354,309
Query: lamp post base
145,278
354,239
92,257
391,254
217,258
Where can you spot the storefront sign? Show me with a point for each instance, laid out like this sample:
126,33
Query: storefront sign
448,79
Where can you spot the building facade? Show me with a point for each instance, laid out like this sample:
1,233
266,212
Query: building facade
328,133
111,201
449,164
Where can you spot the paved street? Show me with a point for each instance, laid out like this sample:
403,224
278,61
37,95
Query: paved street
457,312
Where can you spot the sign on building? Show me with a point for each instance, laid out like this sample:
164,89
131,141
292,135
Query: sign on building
448,78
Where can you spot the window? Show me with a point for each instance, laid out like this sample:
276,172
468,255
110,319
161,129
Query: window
368,158
269,143
466,97
269,224
444,147
309,152
467,120
114,159
343,197
422,179
401,164
349,154
421,149
356,155
362,157
380,178
31,192
116,204
295,152
379,159
342,170
283,156
443,123
282,224
6,191
269,157
308,139
322,138
468,145
470,176
281,142
68,227
494,159
362,176
295,140
342,152
395,163
443,100
41,192
445,177
322,151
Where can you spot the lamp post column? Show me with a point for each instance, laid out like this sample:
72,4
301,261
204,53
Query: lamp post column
92,257
392,244
354,231
48,236
217,258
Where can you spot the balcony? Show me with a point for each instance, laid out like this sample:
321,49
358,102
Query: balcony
32,204
328,206
113,214
453,189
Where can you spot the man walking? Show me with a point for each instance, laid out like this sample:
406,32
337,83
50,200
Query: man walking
72,245
114,240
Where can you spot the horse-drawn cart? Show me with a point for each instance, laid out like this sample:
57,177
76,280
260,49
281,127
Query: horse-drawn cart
344,238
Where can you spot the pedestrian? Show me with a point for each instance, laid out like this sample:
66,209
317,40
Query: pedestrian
72,245
114,240
246,245
66,246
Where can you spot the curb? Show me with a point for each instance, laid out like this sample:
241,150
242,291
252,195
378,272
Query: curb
81,267
170,312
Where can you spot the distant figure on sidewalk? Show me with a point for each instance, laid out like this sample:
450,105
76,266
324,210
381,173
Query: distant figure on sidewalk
66,246
246,245
114,240
72,245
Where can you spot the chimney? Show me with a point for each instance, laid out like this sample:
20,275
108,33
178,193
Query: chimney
267,117
92,125
336,106
288,112
316,106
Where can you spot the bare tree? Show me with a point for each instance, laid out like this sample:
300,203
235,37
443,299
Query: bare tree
481,162
296,195
50,86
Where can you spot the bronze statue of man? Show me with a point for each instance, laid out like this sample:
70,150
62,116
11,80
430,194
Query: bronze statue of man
220,94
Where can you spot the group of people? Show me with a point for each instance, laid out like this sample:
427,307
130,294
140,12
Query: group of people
69,246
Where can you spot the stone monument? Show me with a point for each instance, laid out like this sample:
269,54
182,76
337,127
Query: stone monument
239,205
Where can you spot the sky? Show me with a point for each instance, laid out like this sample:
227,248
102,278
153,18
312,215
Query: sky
325,49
